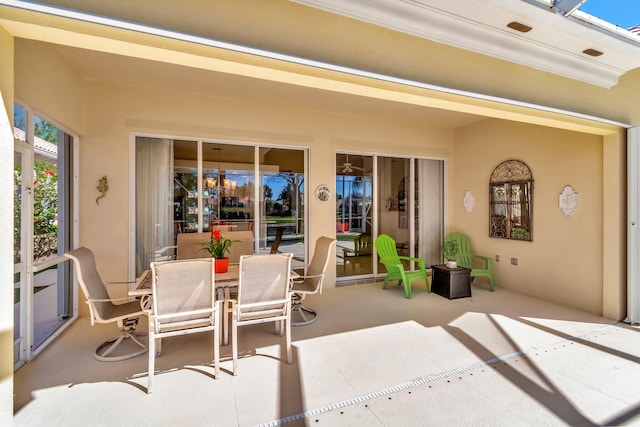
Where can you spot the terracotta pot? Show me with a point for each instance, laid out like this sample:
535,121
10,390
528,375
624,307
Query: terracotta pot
221,265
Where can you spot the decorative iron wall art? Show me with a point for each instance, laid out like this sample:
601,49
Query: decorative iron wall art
511,201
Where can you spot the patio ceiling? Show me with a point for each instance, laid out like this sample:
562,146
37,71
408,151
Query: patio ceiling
120,69
185,62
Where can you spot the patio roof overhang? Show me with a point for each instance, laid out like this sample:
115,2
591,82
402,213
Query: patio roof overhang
81,30
534,33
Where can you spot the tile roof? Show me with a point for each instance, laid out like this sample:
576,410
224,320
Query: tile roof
39,144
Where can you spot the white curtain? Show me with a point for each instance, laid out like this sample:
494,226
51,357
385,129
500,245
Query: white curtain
154,199
430,205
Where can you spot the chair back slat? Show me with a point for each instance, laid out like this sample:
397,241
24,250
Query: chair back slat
319,262
90,282
264,282
242,245
388,253
182,286
463,255
189,245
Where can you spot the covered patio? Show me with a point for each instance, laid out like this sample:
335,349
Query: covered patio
547,348
373,358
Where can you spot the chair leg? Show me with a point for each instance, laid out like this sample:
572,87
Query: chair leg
225,323
489,277
234,342
407,290
135,338
158,343
298,311
128,327
216,344
407,287
288,333
386,282
151,366
303,313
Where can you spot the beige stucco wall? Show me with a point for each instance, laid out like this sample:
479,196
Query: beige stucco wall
48,84
116,111
6,233
614,229
564,263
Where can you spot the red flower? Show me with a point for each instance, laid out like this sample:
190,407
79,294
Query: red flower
218,247
48,172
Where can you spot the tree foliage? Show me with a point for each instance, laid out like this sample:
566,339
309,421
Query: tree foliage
268,192
46,131
45,208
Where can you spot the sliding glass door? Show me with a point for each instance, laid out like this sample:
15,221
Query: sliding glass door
282,201
196,186
428,210
43,295
395,208
354,215
403,197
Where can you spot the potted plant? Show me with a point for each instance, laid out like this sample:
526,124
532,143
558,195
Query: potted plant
449,250
219,247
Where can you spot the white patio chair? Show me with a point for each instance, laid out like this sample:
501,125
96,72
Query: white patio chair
183,302
310,282
103,310
263,296
189,245
242,244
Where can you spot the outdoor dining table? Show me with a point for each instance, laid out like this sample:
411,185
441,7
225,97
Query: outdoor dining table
226,283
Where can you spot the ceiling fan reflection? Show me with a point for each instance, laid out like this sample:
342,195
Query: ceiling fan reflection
348,167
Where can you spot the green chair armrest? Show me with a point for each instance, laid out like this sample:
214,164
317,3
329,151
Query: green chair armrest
389,263
487,260
420,261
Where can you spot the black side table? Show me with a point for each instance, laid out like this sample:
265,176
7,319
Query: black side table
451,283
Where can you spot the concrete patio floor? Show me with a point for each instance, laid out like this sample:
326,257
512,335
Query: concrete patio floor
373,358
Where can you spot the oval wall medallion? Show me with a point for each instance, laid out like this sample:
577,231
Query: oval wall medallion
469,201
568,200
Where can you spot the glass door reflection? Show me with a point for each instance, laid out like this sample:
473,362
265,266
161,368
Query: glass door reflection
354,201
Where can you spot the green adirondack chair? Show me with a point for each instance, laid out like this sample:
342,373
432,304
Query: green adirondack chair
464,257
389,257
